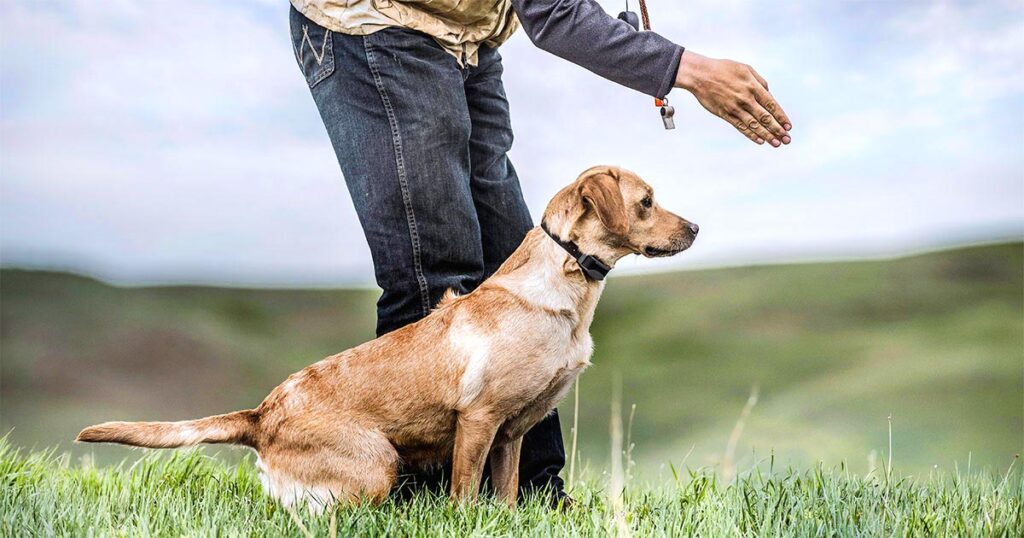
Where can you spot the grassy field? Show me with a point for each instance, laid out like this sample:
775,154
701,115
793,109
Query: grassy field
189,494
935,341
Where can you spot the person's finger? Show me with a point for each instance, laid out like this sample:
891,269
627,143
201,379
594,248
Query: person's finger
758,77
766,100
755,127
742,125
766,120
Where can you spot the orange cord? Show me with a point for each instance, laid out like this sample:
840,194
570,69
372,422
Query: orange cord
647,27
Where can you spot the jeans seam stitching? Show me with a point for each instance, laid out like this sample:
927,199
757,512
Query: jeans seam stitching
396,139
326,55
326,70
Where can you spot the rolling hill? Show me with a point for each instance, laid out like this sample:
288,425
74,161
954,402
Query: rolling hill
934,341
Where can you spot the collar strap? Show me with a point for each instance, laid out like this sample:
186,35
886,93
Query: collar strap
593,268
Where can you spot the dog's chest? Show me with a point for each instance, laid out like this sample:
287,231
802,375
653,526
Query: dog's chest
564,375
543,380
557,361
535,404
517,360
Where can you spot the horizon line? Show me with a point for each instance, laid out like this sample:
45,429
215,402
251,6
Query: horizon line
272,283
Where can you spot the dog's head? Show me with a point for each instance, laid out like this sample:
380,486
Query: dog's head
610,212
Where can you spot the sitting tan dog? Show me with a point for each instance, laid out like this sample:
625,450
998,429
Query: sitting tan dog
463,384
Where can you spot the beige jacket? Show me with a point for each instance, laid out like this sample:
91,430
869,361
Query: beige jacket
460,26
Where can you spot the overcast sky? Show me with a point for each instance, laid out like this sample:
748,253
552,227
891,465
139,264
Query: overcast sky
177,141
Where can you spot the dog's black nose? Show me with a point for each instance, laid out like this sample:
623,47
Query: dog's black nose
694,228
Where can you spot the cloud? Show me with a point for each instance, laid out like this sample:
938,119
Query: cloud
149,141
142,150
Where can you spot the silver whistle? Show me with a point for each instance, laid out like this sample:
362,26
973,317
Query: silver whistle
667,111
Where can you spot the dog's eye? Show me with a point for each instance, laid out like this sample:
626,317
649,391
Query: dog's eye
647,202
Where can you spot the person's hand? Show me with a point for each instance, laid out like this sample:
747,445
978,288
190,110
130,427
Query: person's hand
737,94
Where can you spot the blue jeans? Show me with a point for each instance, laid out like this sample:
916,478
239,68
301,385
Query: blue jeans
423,143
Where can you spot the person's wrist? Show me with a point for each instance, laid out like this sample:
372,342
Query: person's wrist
691,65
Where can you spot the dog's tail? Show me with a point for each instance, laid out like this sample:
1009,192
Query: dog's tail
237,428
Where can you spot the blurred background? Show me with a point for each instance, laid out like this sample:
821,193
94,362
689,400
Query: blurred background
176,237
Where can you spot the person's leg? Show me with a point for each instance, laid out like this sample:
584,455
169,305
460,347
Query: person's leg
394,106
395,110
504,221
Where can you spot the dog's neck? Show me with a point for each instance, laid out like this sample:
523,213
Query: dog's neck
591,266
544,275
568,225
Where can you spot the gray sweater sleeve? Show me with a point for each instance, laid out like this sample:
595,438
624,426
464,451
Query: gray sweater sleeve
583,33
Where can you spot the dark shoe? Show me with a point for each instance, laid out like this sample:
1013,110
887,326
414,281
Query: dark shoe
562,502
433,480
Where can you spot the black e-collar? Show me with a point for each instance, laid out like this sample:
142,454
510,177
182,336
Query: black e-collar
593,268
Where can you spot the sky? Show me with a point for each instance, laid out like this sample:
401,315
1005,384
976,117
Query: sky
176,141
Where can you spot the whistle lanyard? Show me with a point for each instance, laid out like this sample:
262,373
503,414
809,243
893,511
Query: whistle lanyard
667,111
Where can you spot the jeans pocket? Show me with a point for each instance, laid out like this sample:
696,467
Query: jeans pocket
314,48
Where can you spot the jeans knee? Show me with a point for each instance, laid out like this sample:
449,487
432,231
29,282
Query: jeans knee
445,126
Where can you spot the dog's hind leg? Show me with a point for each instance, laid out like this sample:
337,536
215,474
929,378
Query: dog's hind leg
505,470
361,466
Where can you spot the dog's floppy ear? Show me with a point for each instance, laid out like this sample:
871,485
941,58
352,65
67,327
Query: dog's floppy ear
601,192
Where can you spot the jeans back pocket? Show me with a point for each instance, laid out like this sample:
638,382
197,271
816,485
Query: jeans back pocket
313,46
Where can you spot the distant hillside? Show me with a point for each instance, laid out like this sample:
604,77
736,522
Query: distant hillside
936,341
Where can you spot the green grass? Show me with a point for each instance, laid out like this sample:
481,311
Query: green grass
188,493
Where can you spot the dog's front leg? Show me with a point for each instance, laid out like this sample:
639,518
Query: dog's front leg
473,437
505,470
